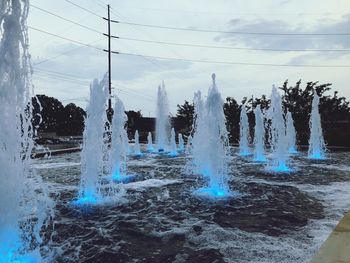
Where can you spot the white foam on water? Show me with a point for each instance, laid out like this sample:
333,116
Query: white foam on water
149,183
55,165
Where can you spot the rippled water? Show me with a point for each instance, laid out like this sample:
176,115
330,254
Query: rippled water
277,217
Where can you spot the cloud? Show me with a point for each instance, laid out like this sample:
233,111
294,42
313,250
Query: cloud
288,42
88,64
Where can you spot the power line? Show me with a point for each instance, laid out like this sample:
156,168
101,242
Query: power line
66,19
68,77
64,38
64,53
83,8
234,63
229,32
226,47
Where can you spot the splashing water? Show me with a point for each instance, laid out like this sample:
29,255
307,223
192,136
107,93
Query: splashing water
210,143
181,147
200,163
173,148
244,133
317,147
259,136
94,145
150,147
120,146
278,140
291,133
24,199
137,148
189,147
162,121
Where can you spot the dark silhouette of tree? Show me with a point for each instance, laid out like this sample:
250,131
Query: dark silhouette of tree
298,101
185,114
133,119
49,115
232,112
73,122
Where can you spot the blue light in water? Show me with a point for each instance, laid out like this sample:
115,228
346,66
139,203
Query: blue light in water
123,178
11,256
173,154
213,192
317,156
244,153
86,200
281,168
260,158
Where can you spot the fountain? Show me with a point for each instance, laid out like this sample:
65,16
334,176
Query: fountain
199,163
259,136
244,133
24,198
137,148
317,147
120,147
210,143
162,122
150,147
188,149
173,148
94,146
278,140
181,147
291,134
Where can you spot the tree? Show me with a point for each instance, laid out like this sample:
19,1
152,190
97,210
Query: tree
185,113
133,119
49,115
232,112
298,101
73,122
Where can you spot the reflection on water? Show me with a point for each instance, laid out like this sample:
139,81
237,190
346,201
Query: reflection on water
276,217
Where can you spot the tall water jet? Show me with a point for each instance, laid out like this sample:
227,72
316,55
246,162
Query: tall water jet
173,148
189,146
162,121
244,133
119,147
24,198
181,143
200,164
150,147
94,147
291,133
278,140
210,143
317,147
259,136
137,148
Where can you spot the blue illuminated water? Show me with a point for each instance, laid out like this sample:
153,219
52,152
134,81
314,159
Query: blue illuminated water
210,142
317,147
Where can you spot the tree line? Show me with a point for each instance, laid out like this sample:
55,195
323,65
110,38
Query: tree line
334,110
50,115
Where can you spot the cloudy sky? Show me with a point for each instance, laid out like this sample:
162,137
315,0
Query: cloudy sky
64,69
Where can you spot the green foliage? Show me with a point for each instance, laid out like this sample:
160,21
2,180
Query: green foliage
49,115
185,112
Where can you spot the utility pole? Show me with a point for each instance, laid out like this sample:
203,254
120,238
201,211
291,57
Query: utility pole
109,62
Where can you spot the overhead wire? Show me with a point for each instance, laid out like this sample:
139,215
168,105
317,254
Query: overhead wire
64,38
227,47
191,29
66,19
234,63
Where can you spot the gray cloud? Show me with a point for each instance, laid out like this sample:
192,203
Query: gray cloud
288,42
88,64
